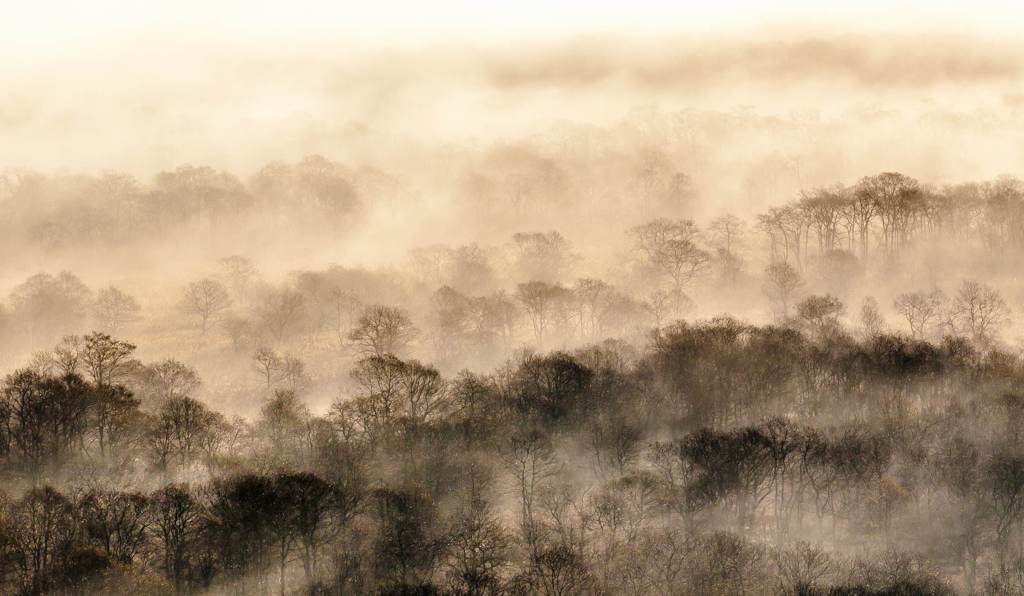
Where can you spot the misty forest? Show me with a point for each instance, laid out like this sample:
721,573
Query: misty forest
595,317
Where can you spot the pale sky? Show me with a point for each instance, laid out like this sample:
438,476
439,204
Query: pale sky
48,24
143,85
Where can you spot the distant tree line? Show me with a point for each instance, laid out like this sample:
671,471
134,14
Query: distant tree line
65,210
887,212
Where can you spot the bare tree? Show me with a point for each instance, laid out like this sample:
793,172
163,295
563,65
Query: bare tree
293,374
67,356
113,309
116,521
479,549
344,306
168,379
383,330
184,429
781,281
824,209
268,364
803,568
205,299
177,518
920,310
896,198
105,358
727,232
726,238
787,230
871,320
820,313
670,248
239,272
49,306
857,215
542,303
542,256
240,331
664,304
979,311
531,461
590,298
499,316
281,312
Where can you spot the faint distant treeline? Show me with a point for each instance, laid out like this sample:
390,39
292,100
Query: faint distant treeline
63,210
475,303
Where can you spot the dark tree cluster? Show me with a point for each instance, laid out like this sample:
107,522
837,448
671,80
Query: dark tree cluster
721,458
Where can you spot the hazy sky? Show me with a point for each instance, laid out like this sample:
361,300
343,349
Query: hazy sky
43,23
143,86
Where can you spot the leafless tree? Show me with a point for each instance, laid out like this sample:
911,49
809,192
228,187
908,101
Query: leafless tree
239,272
105,358
113,309
117,522
383,330
500,316
824,208
781,281
787,230
670,248
344,306
67,355
543,303
803,568
479,549
590,299
184,429
177,519
531,461
871,321
663,305
281,312
293,375
542,256
920,309
820,313
979,311
896,199
727,232
205,299
168,379
268,364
